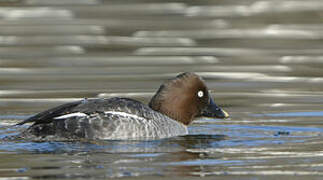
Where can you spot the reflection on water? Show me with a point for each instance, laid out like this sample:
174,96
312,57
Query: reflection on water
262,61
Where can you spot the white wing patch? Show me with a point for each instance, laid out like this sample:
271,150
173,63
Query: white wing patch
77,114
125,115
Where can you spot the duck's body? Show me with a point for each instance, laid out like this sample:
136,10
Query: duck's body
175,105
114,118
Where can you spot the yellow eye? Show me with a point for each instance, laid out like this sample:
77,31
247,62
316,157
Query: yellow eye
200,94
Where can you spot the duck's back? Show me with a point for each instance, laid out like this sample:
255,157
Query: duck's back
115,118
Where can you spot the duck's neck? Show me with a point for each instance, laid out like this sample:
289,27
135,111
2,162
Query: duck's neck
180,113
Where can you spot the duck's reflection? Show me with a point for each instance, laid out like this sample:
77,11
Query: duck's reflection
181,155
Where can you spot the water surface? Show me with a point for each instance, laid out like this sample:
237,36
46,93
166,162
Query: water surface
262,61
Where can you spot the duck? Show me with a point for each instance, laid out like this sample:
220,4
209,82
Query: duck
174,106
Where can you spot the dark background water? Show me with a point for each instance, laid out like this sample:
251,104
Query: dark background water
262,61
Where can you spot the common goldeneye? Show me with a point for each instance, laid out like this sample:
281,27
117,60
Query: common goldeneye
176,103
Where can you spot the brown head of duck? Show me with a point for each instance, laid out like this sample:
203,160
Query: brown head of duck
184,98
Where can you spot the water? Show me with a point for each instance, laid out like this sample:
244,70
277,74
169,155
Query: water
262,61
